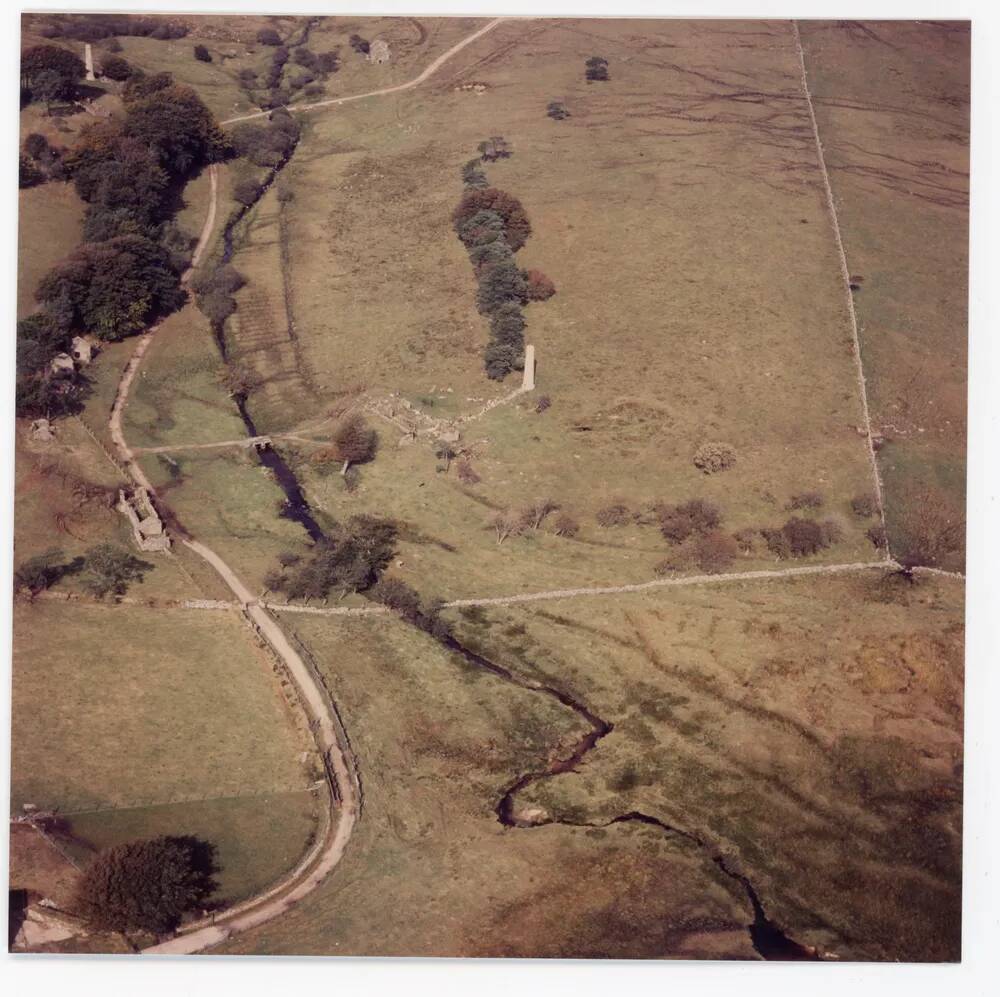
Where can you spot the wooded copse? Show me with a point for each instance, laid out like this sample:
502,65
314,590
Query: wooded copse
127,271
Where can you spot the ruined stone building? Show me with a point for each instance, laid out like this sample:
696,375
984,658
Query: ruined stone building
379,52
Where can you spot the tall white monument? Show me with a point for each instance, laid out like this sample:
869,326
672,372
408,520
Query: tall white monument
528,381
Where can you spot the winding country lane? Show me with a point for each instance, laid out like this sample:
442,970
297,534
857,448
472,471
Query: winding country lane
341,782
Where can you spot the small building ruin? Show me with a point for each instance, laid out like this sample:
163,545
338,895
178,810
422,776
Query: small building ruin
83,349
62,365
378,51
148,530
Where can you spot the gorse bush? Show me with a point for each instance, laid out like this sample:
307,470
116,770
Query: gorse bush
202,54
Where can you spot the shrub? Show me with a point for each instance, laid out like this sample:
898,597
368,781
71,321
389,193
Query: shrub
474,176
597,69
499,359
715,551
506,524
565,526
748,540
147,885
481,229
543,404
540,287
877,536
490,255
108,569
864,505
805,500
507,324
246,190
467,473
359,44
112,45
928,530
797,538
351,558
202,54
517,228
37,146
355,440
713,457
328,62
500,284
40,572
494,148
28,173
268,36
535,514
679,522
615,514
398,596
114,67
556,111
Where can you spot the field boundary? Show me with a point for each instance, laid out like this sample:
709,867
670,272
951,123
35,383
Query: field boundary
846,279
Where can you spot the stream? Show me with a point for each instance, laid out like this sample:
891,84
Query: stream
768,939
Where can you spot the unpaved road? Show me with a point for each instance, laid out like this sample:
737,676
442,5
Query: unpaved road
416,81
340,782
324,722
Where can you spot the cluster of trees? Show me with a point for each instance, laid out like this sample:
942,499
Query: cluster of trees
50,74
214,290
96,27
269,144
597,69
493,226
350,558
147,885
104,570
312,69
112,287
114,67
127,271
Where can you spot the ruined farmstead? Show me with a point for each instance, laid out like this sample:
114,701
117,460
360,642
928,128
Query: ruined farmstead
148,530
378,51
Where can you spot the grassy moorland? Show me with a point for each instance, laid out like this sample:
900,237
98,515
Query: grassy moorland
811,729
430,871
702,303
892,104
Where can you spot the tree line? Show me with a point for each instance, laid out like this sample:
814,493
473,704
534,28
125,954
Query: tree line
126,272
493,226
